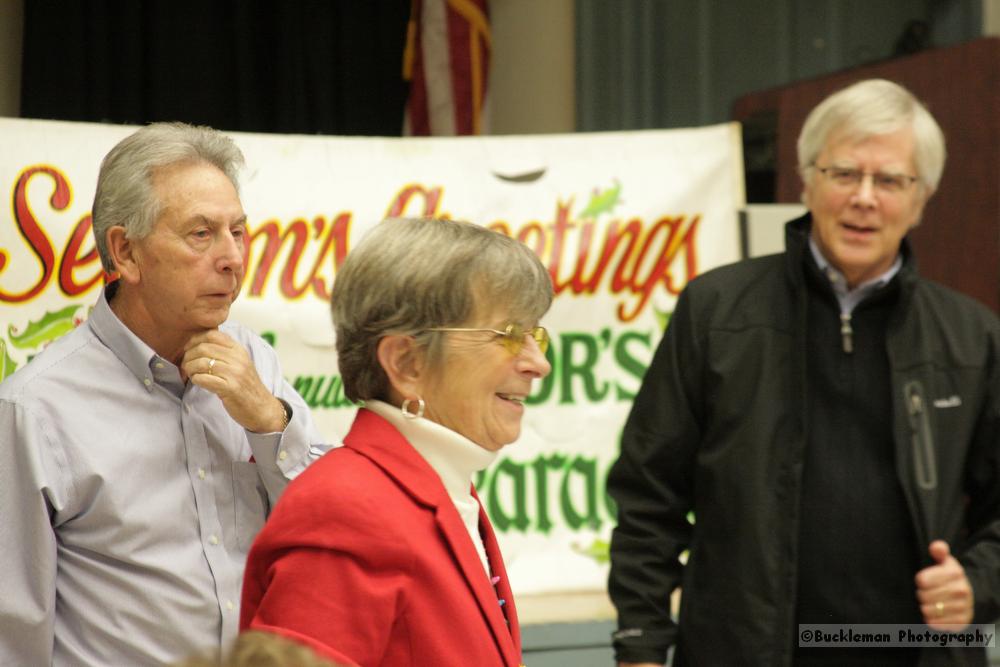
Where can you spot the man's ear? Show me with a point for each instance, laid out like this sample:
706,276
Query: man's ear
122,251
807,186
403,362
926,193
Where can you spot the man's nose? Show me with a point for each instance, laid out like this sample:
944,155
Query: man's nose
864,194
231,250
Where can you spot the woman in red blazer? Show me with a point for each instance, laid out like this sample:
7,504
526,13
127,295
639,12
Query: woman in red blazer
380,552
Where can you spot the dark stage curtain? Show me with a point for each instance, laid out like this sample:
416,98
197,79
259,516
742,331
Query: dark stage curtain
328,67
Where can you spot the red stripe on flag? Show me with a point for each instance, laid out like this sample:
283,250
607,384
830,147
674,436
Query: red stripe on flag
448,57
461,71
417,118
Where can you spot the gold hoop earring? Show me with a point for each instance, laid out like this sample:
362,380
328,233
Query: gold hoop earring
405,408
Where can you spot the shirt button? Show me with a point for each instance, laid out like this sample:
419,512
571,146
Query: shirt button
201,473
229,605
282,455
213,540
159,364
147,381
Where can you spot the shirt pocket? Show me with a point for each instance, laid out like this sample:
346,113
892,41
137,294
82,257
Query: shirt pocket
249,502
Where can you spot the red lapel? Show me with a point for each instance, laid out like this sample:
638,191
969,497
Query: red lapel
503,590
379,440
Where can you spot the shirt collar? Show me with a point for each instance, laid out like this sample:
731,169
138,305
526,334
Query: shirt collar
146,365
453,457
849,298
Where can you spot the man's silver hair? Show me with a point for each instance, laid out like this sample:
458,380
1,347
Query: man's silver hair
409,275
125,195
869,108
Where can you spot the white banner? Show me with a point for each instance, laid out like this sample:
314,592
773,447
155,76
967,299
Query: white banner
622,220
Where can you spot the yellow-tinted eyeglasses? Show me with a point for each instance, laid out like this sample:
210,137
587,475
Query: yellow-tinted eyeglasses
512,337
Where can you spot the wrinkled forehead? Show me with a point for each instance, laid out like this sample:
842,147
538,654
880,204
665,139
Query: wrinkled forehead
192,183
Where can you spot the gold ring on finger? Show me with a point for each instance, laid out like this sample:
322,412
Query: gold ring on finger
939,606
211,365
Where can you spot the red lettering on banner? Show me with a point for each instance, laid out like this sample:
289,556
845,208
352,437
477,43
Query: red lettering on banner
634,247
334,240
533,235
501,227
32,232
630,256
337,238
627,256
299,232
633,229
72,260
628,243
612,239
431,197
676,238
271,234
561,225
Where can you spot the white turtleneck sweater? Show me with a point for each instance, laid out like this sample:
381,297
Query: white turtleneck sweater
453,457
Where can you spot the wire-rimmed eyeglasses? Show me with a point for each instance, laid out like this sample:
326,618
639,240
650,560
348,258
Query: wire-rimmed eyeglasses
512,337
849,177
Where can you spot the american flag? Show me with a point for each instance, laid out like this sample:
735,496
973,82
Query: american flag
447,62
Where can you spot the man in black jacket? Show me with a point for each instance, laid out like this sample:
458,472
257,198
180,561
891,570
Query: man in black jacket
830,418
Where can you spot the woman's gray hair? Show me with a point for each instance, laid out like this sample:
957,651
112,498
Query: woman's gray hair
408,275
125,195
869,108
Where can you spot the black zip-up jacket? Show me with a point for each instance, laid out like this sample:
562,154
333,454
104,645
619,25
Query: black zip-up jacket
719,428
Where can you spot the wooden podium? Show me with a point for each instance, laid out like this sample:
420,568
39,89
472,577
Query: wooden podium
958,242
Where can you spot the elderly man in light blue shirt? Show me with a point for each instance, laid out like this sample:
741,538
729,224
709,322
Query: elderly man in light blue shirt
141,453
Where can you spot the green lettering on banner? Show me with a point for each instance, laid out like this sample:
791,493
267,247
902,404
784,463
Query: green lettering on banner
581,498
628,363
583,368
587,470
498,514
542,465
322,391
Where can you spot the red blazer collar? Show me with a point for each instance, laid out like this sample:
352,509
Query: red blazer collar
378,440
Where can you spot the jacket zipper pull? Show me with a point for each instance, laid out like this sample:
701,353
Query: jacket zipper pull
846,333
924,459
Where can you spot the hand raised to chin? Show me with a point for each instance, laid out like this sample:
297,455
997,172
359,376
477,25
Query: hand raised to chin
215,362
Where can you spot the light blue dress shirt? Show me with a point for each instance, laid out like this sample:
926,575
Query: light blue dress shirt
846,297
130,500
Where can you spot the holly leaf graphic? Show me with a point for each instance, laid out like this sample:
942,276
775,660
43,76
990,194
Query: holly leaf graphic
663,317
602,201
51,326
7,365
599,550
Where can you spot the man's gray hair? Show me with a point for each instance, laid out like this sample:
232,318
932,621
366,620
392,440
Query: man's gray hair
408,275
869,108
125,195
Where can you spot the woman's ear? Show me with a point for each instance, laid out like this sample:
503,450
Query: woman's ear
122,251
402,360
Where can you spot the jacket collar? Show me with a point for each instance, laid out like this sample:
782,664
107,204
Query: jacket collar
453,457
376,439
798,257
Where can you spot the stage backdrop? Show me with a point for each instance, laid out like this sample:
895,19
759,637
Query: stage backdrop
622,220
